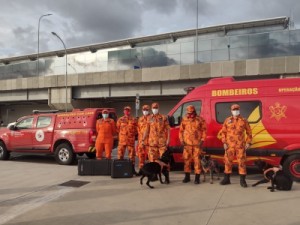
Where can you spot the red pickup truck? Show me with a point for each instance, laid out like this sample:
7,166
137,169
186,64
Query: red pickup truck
63,134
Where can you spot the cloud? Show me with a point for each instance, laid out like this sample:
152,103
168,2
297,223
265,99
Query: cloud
84,22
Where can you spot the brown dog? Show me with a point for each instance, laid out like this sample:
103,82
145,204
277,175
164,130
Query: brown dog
209,166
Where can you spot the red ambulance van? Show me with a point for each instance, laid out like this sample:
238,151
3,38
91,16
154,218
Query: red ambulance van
63,134
272,107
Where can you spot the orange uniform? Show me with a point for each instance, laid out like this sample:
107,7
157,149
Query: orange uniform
143,148
192,133
233,135
158,134
127,129
106,129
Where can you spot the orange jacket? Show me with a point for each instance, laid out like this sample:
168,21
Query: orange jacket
158,128
192,130
127,129
233,132
106,129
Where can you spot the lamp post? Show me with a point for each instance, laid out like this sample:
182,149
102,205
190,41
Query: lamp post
197,35
38,52
66,84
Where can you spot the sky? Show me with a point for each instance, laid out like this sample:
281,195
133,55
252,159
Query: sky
86,22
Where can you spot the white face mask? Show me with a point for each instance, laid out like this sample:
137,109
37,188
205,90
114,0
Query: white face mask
105,116
154,111
235,112
145,112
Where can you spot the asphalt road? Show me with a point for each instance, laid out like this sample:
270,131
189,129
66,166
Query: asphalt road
31,193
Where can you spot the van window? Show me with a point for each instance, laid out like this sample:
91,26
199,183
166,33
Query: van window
43,121
250,110
180,112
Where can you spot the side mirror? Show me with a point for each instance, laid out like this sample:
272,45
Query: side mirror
171,121
179,120
11,126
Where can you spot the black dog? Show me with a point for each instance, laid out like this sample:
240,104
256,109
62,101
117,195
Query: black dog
279,180
209,166
160,166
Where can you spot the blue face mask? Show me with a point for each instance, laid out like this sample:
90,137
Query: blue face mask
105,116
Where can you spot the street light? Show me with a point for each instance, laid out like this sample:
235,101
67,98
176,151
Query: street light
37,57
197,34
66,84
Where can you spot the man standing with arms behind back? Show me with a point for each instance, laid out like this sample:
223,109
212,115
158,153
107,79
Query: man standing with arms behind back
143,149
235,144
192,134
127,130
157,133
106,129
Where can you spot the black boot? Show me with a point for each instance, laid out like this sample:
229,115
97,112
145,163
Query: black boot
133,170
187,178
226,179
243,181
197,179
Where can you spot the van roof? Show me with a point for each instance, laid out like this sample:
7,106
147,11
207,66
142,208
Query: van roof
265,87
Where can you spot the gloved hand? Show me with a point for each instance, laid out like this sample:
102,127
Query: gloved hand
225,146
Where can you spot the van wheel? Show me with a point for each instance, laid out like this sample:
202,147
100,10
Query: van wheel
292,166
64,154
4,154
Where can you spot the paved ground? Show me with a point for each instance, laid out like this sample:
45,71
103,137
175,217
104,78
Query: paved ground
30,194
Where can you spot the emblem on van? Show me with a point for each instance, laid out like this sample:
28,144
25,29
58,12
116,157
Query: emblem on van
278,111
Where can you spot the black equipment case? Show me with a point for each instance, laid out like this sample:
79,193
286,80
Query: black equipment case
121,168
88,167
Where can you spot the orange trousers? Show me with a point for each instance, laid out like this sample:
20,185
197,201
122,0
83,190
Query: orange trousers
142,154
192,153
100,147
156,152
131,152
240,155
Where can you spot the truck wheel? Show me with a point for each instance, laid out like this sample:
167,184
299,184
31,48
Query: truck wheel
4,154
292,166
64,154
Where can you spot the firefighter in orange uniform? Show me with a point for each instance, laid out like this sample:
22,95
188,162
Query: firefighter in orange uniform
192,134
235,144
127,130
157,133
143,148
106,129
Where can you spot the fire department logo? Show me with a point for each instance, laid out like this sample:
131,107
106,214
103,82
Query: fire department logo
39,135
278,111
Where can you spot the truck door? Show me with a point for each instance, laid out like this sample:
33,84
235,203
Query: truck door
43,133
21,136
